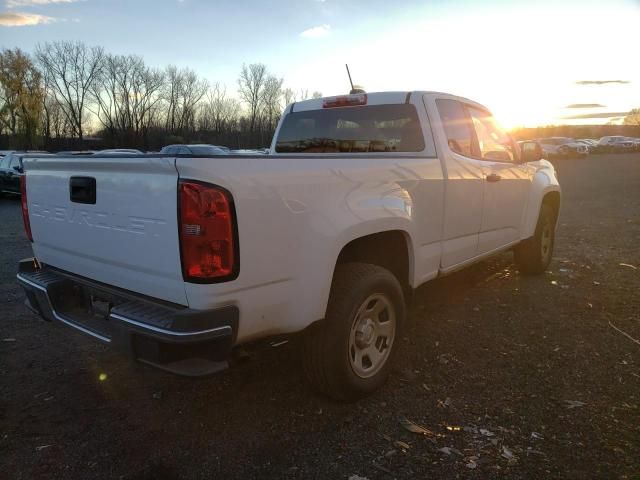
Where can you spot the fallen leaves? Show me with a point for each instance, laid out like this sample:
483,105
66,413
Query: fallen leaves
415,428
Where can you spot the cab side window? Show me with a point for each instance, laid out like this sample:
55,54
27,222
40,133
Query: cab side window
15,162
493,142
457,127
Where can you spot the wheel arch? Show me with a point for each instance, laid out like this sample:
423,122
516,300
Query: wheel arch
390,249
545,189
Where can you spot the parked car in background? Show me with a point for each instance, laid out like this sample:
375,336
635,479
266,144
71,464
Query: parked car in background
626,144
592,145
250,151
623,144
563,147
11,169
195,149
615,143
76,152
119,151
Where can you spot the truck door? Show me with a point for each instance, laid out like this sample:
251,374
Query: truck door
464,182
506,186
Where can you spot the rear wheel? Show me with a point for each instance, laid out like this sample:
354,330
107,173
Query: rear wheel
533,255
349,354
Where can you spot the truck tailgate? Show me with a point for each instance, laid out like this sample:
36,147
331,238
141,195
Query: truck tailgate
127,238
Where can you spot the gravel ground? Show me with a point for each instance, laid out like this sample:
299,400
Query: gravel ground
510,377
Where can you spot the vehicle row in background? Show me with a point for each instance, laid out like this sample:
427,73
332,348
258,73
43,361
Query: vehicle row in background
11,160
563,147
617,143
566,147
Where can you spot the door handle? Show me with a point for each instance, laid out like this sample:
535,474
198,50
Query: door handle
82,190
493,177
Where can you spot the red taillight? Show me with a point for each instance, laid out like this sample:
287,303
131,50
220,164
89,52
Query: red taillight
207,236
25,207
345,101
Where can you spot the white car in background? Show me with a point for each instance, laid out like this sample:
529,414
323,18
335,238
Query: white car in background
563,147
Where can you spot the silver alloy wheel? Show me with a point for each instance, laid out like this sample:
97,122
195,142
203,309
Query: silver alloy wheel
546,240
372,334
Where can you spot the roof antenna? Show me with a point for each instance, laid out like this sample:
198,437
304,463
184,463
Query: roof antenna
353,89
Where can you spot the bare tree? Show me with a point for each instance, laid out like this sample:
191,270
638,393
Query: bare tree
182,92
272,101
147,87
250,87
72,68
54,121
289,96
193,89
125,95
218,113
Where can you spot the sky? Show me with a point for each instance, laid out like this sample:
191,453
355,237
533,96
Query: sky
531,63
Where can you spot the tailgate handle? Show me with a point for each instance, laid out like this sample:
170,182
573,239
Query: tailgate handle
82,190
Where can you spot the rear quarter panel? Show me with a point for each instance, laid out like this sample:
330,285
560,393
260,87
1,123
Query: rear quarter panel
294,216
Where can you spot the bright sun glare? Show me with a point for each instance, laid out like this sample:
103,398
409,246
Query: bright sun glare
522,63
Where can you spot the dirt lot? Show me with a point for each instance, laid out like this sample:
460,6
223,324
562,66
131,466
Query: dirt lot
520,377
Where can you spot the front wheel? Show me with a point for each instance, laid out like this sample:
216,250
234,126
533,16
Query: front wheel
349,354
533,255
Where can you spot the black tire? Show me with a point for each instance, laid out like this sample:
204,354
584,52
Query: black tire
328,349
533,255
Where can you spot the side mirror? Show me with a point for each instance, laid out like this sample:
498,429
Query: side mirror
17,168
530,152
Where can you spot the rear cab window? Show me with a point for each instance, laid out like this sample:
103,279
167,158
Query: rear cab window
365,129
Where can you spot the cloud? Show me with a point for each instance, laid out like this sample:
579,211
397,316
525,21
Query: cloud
601,82
34,3
16,19
596,115
317,32
585,105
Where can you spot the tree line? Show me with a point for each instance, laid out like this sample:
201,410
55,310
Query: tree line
64,91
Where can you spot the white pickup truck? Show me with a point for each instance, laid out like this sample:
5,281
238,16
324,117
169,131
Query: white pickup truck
362,198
